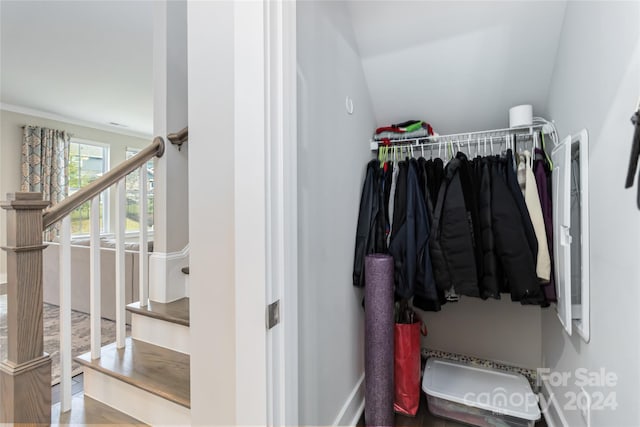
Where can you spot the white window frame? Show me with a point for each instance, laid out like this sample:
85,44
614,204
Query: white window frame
129,234
106,206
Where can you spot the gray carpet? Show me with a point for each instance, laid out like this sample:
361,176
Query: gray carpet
80,340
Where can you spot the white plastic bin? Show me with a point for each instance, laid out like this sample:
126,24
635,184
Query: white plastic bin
479,396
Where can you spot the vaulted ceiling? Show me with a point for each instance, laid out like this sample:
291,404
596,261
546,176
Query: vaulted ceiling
458,65
87,60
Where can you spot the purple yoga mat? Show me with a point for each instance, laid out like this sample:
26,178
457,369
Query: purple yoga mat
378,340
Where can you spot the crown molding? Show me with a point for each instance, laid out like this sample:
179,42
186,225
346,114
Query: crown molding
78,122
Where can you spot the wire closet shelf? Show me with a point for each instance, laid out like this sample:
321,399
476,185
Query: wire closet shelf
462,139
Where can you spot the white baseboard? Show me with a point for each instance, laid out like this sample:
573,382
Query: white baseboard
551,408
160,332
356,418
352,409
133,401
166,279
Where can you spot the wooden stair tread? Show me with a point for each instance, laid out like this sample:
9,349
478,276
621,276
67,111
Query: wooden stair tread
175,312
87,411
155,369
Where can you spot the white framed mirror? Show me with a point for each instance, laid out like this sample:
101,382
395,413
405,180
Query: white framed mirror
571,232
580,233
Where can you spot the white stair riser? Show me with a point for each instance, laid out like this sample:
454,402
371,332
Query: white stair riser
140,404
160,332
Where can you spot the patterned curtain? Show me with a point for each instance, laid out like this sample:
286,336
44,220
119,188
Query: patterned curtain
45,166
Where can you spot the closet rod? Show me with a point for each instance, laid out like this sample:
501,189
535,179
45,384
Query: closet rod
462,137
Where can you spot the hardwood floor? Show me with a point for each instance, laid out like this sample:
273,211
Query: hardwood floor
422,419
77,386
86,411
157,370
175,312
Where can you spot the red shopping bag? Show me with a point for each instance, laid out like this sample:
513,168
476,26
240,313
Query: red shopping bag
407,367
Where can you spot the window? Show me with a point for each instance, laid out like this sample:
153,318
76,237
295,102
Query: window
133,195
87,162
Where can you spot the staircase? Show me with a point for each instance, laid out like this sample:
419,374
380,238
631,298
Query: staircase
148,379
145,376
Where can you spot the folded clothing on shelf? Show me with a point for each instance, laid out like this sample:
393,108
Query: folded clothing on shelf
406,130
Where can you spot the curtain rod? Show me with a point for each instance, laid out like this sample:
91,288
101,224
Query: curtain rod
525,131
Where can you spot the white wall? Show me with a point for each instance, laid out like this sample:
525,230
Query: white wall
211,212
170,112
333,151
460,65
596,83
10,146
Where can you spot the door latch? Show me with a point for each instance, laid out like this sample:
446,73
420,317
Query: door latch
273,314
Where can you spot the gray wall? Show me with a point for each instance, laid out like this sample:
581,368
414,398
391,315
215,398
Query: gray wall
332,153
487,329
595,85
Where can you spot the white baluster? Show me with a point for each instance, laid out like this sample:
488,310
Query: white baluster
65,314
144,248
121,202
94,267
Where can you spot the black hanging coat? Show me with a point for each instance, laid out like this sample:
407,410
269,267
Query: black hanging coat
370,229
516,192
511,241
451,243
491,274
409,243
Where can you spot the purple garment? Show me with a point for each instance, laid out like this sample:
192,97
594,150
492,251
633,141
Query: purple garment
543,181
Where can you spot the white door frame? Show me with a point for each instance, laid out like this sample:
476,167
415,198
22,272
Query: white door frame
282,209
242,100
266,215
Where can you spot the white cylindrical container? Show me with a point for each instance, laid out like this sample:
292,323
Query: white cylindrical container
520,115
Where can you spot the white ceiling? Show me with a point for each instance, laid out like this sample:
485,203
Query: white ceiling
86,60
458,65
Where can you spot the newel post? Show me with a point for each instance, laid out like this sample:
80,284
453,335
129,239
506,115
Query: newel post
25,375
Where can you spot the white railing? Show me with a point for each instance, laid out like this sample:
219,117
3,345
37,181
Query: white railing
115,177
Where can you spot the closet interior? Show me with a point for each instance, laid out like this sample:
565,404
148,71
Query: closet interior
532,268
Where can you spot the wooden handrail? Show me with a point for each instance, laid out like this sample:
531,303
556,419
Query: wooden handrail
64,208
180,137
